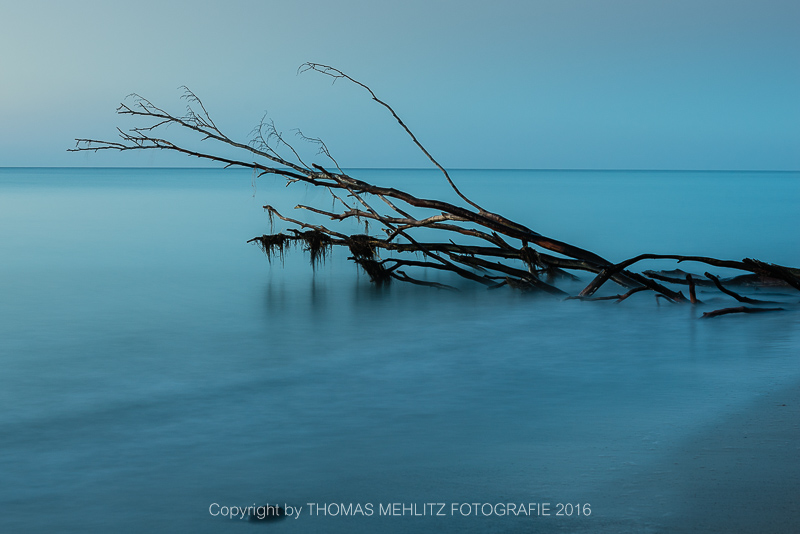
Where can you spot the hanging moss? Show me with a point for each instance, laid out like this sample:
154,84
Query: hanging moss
272,244
361,246
317,244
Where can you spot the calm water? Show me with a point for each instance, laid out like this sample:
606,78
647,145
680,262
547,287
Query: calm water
153,363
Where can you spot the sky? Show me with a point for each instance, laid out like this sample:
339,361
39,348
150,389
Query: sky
555,84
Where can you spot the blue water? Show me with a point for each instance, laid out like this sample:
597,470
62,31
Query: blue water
154,364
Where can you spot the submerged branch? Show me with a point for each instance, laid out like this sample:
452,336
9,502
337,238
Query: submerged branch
739,309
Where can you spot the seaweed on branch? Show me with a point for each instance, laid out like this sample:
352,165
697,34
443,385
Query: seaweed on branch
361,246
317,244
272,244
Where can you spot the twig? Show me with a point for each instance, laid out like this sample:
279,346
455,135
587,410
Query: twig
738,297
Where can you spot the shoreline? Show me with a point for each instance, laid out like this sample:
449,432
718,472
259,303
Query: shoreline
741,474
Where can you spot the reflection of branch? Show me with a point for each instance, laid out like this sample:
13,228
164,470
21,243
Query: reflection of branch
494,251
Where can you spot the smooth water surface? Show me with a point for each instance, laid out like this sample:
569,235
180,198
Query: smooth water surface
153,363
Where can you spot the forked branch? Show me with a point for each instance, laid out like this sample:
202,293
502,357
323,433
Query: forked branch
466,241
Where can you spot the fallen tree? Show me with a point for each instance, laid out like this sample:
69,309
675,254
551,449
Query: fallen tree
473,243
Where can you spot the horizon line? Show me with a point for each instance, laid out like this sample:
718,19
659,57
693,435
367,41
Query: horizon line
552,169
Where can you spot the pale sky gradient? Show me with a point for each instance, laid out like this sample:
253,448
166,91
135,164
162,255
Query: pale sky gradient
610,84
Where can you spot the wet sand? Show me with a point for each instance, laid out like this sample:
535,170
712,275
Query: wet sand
741,474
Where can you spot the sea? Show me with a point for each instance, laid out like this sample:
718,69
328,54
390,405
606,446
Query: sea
160,374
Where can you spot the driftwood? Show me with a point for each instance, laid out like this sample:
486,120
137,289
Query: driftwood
738,309
493,251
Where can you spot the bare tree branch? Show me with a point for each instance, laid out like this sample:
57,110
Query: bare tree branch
739,309
494,251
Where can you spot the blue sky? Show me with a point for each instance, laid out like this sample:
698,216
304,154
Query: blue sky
535,84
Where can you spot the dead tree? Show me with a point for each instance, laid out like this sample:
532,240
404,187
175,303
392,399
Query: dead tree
484,247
